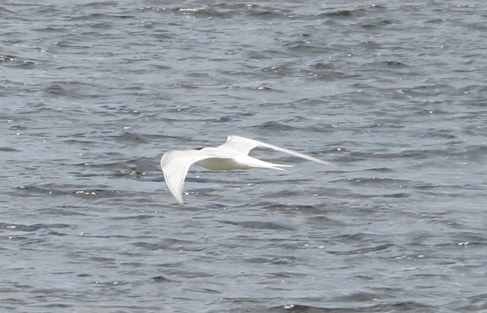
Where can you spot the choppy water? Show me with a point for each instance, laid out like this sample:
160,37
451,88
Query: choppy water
93,92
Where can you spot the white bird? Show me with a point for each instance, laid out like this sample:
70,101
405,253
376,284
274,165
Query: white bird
232,155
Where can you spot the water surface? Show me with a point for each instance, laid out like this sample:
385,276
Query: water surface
93,92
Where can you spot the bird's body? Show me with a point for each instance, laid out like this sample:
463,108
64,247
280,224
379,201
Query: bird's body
232,155
222,164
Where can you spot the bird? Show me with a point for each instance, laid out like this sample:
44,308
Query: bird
232,155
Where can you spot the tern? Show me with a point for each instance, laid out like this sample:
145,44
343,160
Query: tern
232,155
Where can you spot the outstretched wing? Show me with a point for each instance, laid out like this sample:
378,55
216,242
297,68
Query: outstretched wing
244,145
239,144
175,165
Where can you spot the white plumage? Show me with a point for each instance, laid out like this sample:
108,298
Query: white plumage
232,155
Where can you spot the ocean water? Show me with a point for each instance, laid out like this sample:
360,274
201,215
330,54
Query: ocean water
92,93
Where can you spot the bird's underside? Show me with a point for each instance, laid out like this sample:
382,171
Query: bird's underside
231,155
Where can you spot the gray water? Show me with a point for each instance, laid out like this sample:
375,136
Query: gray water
92,93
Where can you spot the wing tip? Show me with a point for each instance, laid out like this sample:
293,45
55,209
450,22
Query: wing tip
328,163
180,200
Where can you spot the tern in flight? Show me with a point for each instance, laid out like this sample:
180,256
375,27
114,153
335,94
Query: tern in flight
232,155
